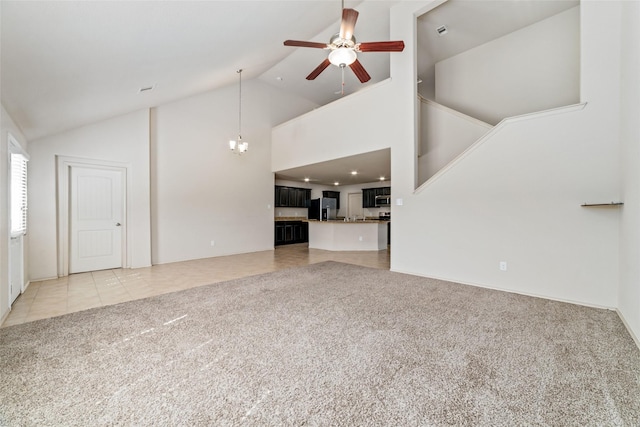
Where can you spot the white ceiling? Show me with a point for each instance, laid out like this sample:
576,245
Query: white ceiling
369,167
472,23
65,64
70,63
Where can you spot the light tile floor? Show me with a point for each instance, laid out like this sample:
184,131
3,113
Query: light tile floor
82,291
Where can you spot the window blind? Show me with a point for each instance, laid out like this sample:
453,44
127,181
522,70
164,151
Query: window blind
18,194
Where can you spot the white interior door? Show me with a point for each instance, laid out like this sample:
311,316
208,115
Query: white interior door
355,205
96,219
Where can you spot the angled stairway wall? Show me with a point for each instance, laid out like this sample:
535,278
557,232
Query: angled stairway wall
515,196
444,134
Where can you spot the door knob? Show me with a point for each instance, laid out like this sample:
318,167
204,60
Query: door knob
117,224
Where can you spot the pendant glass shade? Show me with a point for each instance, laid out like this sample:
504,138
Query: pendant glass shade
238,146
342,56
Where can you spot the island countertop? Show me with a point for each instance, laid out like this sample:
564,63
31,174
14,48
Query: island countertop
290,218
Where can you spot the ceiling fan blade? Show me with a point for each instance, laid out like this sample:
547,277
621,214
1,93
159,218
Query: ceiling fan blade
298,43
349,18
320,68
392,46
360,72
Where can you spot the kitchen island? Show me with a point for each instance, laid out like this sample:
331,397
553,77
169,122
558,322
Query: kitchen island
338,235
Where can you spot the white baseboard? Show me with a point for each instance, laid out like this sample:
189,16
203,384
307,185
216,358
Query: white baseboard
42,279
5,316
626,325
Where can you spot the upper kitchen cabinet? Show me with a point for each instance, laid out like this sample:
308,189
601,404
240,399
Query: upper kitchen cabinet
282,196
369,196
291,197
302,197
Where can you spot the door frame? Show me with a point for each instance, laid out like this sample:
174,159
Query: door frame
63,184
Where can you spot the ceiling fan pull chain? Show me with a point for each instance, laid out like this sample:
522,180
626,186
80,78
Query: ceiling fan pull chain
342,91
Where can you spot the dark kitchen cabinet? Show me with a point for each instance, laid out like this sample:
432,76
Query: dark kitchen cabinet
332,195
368,198
282,196
297,233
287,232
369,195
291,197
301,197
279,235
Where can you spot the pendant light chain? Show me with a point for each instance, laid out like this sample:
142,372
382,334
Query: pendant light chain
240,106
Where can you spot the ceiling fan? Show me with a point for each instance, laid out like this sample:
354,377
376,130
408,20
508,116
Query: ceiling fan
344,48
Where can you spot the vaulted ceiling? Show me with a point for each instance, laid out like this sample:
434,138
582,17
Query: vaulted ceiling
69,63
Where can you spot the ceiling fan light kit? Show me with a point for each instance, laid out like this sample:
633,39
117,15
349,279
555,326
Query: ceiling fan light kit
344,48
342,56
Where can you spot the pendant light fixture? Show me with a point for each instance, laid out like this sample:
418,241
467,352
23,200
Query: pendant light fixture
239,146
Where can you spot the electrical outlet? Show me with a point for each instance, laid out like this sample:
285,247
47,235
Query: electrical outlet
213,243
503,265
360,238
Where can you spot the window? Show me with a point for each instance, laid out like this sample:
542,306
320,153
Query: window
18,189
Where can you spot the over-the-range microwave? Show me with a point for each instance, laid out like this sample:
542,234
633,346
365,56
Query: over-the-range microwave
383,200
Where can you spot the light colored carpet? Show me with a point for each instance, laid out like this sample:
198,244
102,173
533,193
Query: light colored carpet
326,344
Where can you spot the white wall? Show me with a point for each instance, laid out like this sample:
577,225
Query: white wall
187,188
7,125
355,124
201,191
444,134
516,197
629,299
123,139
532,69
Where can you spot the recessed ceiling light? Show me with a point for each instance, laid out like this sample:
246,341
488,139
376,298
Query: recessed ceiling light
442,30
354,172
306,180
336,183
382,178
